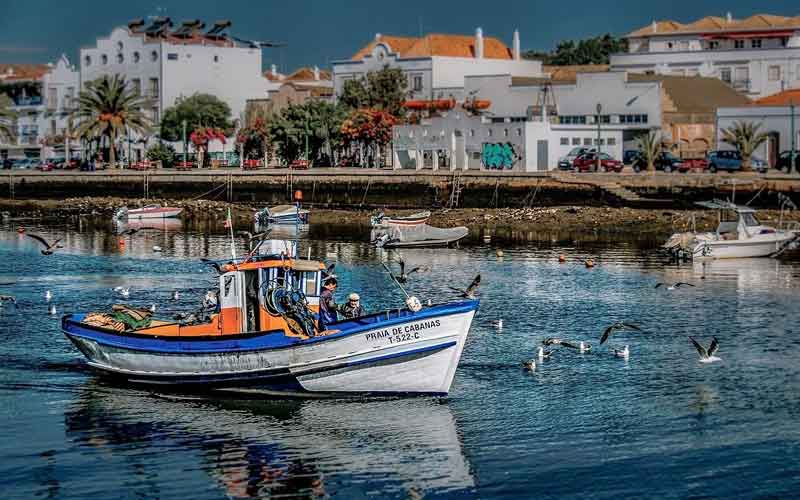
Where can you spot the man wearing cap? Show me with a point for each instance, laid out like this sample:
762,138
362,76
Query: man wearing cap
327,304
353,307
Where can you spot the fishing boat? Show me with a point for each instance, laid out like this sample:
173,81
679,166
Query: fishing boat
420,235
282,214
154,211
738,235
263,335
403,220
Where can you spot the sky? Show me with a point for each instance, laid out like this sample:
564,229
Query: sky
317,32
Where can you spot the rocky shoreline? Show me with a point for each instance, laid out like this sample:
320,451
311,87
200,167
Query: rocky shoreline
609,220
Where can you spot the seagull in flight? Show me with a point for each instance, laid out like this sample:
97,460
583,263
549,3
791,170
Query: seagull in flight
551,341
328,273
673,287
707,355
403,276
49,248
250,237
469,293
619,325
544,354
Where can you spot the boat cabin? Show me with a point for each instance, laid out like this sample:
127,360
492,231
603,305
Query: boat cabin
736,222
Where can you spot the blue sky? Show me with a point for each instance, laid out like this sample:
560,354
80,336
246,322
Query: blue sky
318,32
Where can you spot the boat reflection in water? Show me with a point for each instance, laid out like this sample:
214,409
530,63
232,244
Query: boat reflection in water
252,448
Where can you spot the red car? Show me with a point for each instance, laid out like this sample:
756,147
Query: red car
587,162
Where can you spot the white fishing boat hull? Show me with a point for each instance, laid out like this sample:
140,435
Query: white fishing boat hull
159,213
707,246
413,354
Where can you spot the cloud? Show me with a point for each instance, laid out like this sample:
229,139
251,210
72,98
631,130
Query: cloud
4,49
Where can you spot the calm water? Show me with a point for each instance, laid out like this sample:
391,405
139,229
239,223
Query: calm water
660,425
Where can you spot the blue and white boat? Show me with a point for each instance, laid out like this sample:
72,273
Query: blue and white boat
263,335
282,214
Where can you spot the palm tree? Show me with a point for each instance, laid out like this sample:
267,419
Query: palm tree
107,108
746,138
650,146
8,118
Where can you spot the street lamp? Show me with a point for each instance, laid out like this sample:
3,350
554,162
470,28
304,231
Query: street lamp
184,144
599,111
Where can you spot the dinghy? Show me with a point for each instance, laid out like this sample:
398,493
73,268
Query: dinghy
282,214
154,211
263,334
405,220
421,235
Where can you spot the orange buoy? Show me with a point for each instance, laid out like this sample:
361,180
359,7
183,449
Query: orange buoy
589,262
121,242
562,258
298,195
20,229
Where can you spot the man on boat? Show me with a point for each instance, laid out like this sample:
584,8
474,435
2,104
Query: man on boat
353,308
327,304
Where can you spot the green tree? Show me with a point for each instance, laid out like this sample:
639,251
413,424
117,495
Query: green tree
8,118
384,90
595,50
649,145
368,130
162,152
746,138
108,108
315,124
198,110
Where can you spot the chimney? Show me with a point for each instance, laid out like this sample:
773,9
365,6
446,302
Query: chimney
516,46
655,26
377,37
274,70
729,18
316,72
479,43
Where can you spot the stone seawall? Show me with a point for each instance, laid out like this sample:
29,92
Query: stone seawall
358,188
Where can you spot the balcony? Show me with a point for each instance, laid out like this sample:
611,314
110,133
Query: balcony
28,101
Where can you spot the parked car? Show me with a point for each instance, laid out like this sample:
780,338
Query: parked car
731,161
587,162
299,164
26,163
68,165
565,162
783,162
46,166
665,161
630,155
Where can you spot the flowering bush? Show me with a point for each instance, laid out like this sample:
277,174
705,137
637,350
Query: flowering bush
254,139
203,135
368,126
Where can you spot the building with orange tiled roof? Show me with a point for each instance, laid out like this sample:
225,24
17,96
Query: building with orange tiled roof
436,64
43,95
758,55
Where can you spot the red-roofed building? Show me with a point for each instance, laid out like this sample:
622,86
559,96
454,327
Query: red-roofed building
786,98
436,64
758,56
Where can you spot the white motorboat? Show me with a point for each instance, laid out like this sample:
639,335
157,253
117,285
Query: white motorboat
738,235
401,220
154,211
420,235
282,214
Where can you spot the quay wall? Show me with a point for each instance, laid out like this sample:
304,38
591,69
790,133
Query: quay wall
358,188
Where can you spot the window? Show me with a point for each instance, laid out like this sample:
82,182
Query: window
104,59
587,141
628,119
137,86
755,43
154,114
52,97
136,57
565,141
120,58
172,56
216,58
611,141
601,142
576,141
605,118
738,44
572,120
472,133
505,132
519,132
725,75
154,87
489,132
154,56
713,45
119,46
774,73
416,83
87,61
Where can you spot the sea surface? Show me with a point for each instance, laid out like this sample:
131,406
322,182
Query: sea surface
588,426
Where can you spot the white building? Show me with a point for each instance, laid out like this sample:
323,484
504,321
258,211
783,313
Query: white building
527,124
759,55
43,96
166,64
435,65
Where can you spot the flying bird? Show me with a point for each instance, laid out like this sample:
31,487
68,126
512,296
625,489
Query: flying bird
49,248
707,356
213,264
132,231
328,273
551,341
673,287
469,293
403,276
8,298
619,325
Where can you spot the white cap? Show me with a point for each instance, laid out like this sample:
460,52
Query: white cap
354,296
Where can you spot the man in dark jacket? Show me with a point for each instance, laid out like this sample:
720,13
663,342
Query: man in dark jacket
327,304
353,308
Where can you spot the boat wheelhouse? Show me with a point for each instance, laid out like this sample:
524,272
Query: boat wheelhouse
282,214
263,334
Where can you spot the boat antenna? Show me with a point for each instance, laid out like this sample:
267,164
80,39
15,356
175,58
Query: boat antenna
395,280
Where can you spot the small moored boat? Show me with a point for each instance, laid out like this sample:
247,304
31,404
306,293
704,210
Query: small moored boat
420,235
282,214
738,235
154,211
263,335
403,220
